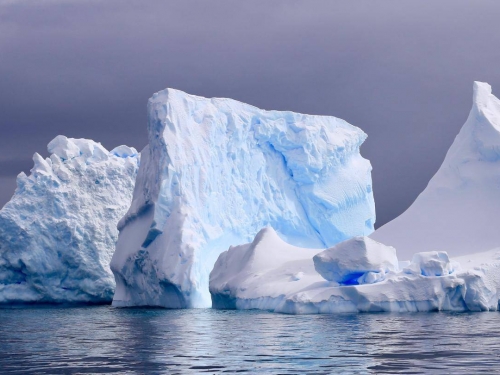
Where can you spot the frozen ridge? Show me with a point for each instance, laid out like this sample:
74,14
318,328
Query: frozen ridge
214,173
458,210
269,274
58,231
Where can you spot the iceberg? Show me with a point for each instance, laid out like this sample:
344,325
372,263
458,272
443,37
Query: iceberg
216,171
450,234
58,231
457,212
270,274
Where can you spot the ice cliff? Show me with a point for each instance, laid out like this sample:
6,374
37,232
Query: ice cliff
214,173
458,210
58,232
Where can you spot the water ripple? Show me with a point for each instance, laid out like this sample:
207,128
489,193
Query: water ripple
105,340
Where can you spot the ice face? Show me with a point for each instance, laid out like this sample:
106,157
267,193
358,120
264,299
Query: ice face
270,274
58,232
457,212
214,173
358,260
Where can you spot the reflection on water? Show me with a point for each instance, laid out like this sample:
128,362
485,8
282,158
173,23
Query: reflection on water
104,339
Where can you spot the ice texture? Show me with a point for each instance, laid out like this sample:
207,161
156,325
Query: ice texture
58,231
458,210
214,173
358,260
269,274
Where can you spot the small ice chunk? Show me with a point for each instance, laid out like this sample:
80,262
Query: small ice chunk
91,150
353,261
430,263
371,277
124,151
63,147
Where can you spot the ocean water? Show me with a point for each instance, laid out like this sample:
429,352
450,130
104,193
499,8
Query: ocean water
157,341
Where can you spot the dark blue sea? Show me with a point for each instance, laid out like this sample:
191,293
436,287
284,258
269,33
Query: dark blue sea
89,340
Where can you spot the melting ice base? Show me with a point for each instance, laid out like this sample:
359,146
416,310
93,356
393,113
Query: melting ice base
456,214
58,232
214,173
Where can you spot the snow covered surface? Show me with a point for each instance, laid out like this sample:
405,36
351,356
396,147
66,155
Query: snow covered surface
359,260
458,210
214,173
58,232
270,274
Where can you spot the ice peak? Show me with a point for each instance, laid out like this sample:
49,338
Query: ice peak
266,232
487,105
482,93
463,196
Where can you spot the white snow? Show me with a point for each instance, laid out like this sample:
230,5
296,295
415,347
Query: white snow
58,232
358,260
458,210
214,173
263,275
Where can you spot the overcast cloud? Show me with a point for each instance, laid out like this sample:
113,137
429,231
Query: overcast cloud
400,70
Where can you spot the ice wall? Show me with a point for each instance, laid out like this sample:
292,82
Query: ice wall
458,210
58,232
214,173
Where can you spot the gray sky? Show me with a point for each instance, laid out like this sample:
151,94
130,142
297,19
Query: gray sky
400,70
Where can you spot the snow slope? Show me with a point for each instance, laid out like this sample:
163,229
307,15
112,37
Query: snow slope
58,232
458,210
269,274
214,173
